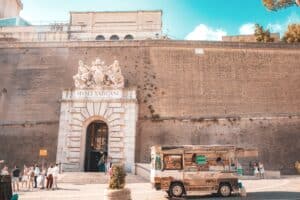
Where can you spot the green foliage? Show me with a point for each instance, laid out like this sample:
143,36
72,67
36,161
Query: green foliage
262,35
117,179
292,35
275,5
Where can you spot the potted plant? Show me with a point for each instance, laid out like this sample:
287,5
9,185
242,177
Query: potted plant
116,189
297,166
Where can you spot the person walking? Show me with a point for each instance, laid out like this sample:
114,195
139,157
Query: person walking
261,170
25,176
37,172
49,177
30,178
256,172
16,178
42,178
55,176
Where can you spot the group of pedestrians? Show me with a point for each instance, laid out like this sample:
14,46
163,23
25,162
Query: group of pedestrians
259,170
32,177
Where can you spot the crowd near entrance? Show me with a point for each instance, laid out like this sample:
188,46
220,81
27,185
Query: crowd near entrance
96,147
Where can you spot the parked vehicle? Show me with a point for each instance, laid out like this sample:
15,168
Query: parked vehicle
197,169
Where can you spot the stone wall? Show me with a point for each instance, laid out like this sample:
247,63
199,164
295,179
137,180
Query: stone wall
188,93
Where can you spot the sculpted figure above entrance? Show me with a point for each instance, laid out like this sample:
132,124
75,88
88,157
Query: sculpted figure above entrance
99,75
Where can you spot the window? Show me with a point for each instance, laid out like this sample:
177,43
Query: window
114,37
173,162
156,162
100,37
128,37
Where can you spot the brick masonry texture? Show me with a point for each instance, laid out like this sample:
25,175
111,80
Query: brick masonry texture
234,93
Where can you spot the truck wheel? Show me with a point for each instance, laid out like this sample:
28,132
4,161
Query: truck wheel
225,190
176,190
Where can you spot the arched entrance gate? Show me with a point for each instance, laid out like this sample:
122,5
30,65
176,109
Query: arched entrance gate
97,120
96,148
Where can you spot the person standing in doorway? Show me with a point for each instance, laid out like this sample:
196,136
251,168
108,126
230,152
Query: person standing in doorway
101,163
37,172
107,164
16,178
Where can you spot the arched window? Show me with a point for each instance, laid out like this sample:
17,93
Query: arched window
100,37
128,37
114,37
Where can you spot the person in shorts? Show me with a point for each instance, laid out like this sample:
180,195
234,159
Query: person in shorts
30,178
16,178
25,177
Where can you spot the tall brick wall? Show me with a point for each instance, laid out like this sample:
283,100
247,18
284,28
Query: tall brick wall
234,93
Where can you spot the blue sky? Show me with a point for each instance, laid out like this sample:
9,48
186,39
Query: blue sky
182,19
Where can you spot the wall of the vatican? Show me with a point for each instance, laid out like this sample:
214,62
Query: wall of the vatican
10,8
188,93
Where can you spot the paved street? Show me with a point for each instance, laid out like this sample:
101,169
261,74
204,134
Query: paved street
286,188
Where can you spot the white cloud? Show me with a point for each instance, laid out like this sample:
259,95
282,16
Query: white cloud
247,29
275,28
204,32
282,27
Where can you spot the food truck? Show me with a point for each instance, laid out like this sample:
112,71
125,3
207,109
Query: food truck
197,169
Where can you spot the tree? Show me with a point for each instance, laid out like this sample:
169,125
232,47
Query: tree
292,35
262,35
275,5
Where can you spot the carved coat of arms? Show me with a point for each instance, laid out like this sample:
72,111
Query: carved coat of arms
99,75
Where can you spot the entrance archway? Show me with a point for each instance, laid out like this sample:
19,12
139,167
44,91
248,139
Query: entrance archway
96,146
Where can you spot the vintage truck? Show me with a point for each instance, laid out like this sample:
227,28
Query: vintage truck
197,169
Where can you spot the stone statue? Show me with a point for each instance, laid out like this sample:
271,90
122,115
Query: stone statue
99,75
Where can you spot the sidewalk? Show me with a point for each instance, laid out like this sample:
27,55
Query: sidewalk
286,188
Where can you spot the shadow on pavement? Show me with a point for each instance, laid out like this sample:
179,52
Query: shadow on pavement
250,196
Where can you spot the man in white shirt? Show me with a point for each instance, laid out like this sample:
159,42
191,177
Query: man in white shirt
55,172
49,177
36,174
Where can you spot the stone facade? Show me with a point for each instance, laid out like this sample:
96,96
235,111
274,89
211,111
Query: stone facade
85,26
138,25
118,108
243,94
10,8
99,95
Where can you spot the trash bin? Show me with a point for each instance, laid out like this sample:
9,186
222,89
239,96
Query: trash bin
5,188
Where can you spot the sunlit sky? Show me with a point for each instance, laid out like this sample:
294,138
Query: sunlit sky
182,19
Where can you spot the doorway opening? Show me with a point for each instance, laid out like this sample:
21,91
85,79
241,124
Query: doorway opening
96,147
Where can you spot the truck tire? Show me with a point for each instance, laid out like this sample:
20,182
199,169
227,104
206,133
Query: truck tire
176,190
225,190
